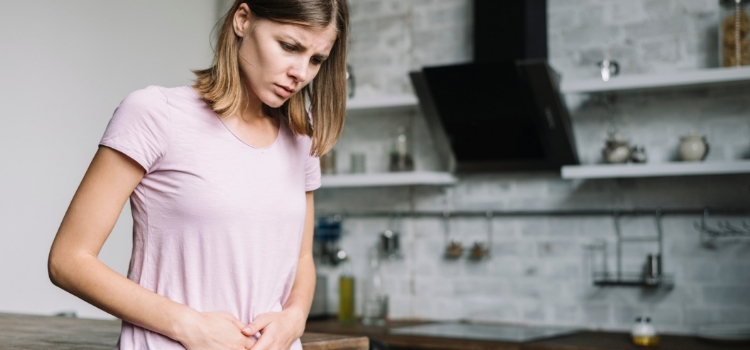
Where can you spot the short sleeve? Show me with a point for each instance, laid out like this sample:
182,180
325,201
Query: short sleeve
140,127
312,173
312,166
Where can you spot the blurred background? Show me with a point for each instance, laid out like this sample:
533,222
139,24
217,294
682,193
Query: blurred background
550,242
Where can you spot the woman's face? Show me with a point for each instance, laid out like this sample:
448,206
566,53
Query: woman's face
277,59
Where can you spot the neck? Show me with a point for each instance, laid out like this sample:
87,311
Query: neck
253,107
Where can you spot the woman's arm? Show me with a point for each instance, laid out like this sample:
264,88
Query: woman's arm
74,266
300,298
286,326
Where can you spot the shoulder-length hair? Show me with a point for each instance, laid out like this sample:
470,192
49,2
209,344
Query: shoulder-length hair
222,88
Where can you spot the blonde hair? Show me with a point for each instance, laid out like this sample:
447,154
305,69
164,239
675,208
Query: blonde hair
222,88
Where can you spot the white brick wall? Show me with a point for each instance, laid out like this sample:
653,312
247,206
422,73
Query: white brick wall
539,272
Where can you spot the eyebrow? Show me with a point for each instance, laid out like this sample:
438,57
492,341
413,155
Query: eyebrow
304,48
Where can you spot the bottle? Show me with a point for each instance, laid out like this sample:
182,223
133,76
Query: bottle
401,160
346,293
643,333
375,306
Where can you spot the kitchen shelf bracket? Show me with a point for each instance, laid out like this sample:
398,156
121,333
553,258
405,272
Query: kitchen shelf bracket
724,229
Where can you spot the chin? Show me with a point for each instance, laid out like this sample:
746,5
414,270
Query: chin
274,101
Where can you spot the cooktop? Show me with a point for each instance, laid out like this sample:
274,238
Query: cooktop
483,331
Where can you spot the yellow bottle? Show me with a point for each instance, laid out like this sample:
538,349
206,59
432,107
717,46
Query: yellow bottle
346,294
643,333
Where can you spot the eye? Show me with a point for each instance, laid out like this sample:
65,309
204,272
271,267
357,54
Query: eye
287,47
316,60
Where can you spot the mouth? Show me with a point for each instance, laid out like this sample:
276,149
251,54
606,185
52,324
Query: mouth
284,91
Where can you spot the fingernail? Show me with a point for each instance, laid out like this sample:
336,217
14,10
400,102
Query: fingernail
246,330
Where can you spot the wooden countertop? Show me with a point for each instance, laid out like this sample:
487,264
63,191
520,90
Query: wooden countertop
584,340
29,332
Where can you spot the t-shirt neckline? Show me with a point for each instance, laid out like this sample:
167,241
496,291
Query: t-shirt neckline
215,115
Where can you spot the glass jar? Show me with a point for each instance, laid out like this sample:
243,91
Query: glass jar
400,159
734,26
375,306
643,333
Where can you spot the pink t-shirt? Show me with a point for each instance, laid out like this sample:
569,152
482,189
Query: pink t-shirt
217,223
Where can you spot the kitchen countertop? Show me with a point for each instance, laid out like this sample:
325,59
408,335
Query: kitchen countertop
583,340
29,332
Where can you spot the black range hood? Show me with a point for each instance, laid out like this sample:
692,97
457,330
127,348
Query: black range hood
496,116
504,111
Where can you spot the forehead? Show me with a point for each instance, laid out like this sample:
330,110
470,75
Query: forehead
318,39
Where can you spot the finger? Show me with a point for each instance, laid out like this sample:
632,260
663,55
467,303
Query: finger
229,317
263,343
237,323
256,326
249,343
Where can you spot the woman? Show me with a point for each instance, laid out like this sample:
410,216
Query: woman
220,177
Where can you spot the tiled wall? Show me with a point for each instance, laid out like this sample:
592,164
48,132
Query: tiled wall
539,271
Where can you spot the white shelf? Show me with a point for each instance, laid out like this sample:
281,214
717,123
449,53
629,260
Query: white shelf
604,171
656,81
389,101
388,179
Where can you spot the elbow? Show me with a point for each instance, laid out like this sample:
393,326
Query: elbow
56,268
53,269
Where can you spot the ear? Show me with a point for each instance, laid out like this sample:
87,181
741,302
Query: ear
241,20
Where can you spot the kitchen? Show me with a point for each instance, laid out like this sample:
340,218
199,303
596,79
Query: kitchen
551,243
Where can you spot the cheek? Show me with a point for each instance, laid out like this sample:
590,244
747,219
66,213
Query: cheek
262,60
312,72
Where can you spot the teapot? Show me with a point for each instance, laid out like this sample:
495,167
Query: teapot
617,150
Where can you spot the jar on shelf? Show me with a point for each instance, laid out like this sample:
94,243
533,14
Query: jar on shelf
734,26
400,158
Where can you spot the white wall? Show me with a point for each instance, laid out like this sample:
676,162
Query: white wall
66,66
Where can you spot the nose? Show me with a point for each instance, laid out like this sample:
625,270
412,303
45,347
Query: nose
298,70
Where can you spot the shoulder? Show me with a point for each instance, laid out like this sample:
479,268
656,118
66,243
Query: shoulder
159,99
148,95
151,99
143,109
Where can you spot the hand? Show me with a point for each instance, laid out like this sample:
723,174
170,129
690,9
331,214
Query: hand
216,330
278,330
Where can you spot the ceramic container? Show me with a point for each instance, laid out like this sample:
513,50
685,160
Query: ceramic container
617,150
693,148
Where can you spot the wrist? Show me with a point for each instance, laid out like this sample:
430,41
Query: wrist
299,317
183,323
